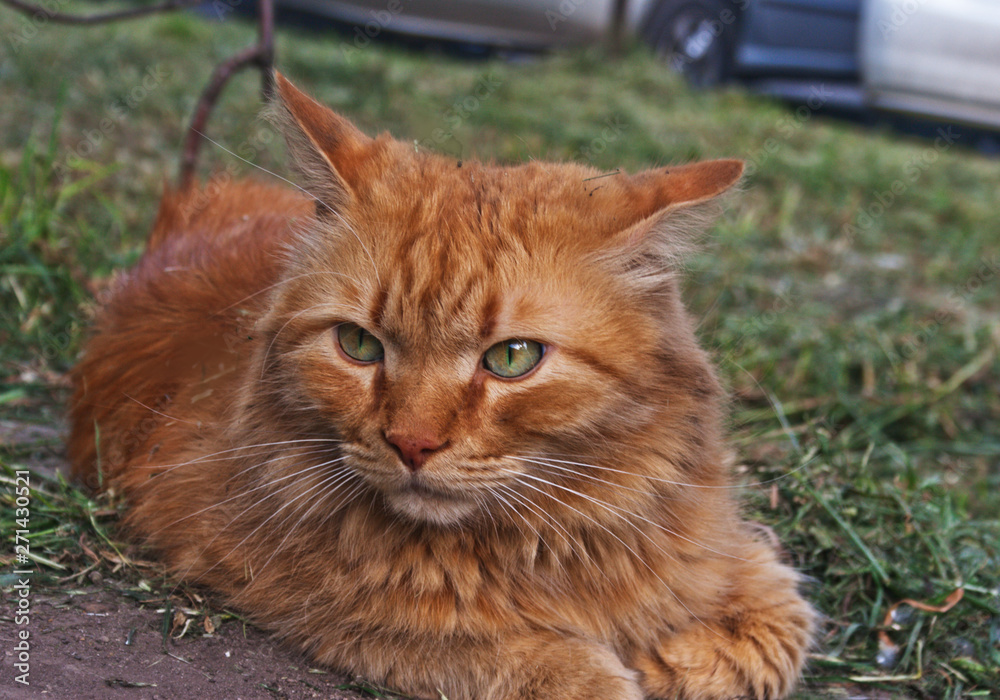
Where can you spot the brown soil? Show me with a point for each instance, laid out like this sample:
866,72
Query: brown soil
91,642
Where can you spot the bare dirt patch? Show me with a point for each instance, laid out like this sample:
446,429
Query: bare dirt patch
92,642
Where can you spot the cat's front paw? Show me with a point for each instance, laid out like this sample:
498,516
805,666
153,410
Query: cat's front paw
569,669
755,654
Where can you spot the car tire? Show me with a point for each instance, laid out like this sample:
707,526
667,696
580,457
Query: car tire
695,38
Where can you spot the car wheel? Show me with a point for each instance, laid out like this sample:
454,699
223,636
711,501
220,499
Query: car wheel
695,38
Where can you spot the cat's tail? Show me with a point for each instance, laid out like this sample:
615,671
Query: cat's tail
217,207
212,252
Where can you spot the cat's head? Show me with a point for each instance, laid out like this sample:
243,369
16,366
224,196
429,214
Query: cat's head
488,338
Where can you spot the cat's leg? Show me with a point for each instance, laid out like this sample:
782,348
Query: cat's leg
755,647
548,666
521,665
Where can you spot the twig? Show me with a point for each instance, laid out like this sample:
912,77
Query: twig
61,18
261,55
617,171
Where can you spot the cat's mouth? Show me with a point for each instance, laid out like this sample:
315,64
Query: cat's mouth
420,487
421,501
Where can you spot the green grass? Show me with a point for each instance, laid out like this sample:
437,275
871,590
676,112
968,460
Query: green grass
859,339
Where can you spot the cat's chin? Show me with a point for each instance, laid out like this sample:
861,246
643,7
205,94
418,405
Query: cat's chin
430,506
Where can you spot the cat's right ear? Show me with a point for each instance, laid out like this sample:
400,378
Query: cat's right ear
325,148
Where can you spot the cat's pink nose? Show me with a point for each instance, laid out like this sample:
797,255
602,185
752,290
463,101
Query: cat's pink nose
414,449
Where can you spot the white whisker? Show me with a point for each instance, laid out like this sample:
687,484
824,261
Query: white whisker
249,491
207,458
323,488
159,413
676,483
285,280
270,346
545,462
276,458
618,511
636,555
255,530
303,190
558,528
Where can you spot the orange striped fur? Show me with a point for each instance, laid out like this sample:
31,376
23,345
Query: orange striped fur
420,521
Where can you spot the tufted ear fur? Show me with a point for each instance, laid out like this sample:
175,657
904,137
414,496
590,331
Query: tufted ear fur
325,148
668,208
687,185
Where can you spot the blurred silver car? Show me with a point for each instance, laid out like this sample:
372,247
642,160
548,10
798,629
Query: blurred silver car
938,58
934,57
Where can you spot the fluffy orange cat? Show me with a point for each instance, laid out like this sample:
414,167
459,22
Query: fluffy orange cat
444,426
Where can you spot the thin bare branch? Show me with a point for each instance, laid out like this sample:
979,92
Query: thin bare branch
62,18
261,55
265,23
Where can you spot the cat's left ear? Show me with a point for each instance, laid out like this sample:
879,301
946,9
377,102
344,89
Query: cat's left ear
326,148
682,186
667,209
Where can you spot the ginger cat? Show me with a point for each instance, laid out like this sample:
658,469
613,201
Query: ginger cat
445,426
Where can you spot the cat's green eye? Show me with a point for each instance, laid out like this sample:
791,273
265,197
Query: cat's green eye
513,358
359,344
